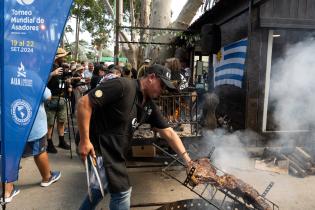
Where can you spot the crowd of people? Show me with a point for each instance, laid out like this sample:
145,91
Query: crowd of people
110,103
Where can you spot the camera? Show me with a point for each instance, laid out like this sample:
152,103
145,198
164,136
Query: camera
66,72
65,66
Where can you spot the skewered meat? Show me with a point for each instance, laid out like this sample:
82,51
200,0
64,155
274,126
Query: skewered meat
244,190
205,172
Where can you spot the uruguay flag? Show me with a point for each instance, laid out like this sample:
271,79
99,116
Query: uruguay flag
229,63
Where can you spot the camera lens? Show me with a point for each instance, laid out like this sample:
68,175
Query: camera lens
65,65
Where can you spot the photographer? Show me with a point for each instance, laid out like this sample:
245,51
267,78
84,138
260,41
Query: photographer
57,105
78,84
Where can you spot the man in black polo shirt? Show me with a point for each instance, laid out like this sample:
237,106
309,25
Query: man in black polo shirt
107,118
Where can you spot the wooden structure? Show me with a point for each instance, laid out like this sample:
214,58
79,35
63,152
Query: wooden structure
262,21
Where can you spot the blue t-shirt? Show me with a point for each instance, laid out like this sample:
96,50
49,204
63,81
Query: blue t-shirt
39,128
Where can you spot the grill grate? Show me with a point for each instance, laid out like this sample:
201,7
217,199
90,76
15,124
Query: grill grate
216,197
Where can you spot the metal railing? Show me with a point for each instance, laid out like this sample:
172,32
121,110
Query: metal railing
180,109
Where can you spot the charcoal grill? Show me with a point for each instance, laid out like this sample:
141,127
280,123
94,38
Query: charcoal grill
180,109
215,197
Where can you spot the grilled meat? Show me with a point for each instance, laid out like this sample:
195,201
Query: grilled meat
205,172
204,168
244,190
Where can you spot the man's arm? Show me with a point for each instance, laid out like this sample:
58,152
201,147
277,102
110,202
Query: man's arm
84,112
56,72
46,95
175,142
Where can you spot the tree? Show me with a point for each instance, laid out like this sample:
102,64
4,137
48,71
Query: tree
91,16
187,14
136,13
82,51
129,50
161,18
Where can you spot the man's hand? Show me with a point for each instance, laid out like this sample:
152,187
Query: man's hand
86,148
190,174
189,165
84,112
57,72
87,80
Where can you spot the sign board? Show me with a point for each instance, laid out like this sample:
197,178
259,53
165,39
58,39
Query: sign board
111,59
30,31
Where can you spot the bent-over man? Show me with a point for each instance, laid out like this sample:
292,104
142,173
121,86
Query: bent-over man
107,118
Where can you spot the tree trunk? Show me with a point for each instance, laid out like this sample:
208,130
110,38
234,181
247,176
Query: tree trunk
118,21
77,37
144,19
182,22
160,18
132,19
161,13
144,34
128,49
187,14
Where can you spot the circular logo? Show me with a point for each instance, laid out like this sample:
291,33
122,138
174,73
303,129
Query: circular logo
98,93
21,112
25,2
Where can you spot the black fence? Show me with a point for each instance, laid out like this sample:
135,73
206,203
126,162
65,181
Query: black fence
180,109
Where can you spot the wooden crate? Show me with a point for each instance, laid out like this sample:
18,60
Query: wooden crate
143,151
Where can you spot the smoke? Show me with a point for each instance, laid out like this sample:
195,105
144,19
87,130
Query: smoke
292,102
292,88
229,153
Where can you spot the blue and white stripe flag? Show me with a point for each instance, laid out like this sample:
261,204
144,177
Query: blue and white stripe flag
229,63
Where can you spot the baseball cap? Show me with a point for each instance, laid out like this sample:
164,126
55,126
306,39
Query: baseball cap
163,73
148,60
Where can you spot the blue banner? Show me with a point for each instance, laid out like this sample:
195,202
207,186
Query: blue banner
30,31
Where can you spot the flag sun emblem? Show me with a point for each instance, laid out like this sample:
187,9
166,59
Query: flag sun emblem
219,56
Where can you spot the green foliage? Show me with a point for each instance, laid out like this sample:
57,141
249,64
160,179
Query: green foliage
84,50
126,9
107,52
90,55
93,18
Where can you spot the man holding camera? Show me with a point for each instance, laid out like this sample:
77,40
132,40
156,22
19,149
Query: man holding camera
56,108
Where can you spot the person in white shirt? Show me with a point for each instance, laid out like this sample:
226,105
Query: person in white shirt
87,74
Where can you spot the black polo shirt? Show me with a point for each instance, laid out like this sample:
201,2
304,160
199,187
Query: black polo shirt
117,113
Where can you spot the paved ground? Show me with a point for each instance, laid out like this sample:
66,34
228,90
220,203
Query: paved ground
149,186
